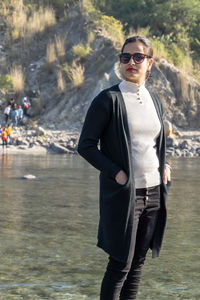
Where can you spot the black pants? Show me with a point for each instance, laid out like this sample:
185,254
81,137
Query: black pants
121,280
4,143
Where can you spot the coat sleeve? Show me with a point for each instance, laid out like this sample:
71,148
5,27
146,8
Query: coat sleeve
96,121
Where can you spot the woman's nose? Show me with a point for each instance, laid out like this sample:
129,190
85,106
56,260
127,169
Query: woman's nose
131,61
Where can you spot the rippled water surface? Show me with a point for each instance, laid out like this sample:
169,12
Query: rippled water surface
49,226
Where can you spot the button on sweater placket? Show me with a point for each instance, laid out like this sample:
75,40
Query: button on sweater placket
146,198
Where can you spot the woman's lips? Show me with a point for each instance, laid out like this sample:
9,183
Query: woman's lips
131,69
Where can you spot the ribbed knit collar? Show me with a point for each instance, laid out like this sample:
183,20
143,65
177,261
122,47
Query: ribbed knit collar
129,86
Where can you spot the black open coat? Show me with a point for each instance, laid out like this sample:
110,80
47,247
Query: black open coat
106,121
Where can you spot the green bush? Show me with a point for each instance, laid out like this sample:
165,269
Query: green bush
112,28
178,57
81,50
6,83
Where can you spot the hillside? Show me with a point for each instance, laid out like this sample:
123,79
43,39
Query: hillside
73,59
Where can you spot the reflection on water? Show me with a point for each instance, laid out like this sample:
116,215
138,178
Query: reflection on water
49,226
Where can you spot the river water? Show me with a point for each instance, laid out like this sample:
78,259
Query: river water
49,226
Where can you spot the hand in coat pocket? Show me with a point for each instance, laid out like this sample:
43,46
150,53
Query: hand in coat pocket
167,175
121,177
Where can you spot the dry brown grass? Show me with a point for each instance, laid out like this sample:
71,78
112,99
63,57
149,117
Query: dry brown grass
60,46
17,78
11,5
42,19
50,53
75,73
61,82
22,25
91,37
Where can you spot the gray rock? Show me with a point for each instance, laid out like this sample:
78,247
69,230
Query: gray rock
36,107
51,126
169,142
23,147
178,152
169,153
192,150
198,151
55,147
21,141
40,131
61,140
30,133
184,145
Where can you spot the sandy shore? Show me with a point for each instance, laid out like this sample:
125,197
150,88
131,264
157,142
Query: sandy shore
19,150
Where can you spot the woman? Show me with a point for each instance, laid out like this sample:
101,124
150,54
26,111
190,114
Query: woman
134,177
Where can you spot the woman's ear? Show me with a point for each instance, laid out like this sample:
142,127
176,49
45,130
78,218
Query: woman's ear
151,61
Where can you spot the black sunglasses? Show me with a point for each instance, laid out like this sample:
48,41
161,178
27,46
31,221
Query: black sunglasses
137,57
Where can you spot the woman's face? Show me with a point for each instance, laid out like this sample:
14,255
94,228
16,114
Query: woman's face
136,72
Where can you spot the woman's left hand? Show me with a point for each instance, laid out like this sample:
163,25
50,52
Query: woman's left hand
167,174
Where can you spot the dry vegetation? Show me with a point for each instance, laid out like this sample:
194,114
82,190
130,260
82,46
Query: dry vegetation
61,82
17,77
60,47
23,24
50,54
75,73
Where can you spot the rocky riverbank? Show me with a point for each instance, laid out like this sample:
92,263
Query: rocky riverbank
187,144
39,140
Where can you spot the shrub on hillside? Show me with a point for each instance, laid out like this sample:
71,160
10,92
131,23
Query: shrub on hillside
6,86
74,73
17,77
60,47
81,50
112,28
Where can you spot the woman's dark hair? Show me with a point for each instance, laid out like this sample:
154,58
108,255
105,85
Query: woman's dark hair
146,42
137,38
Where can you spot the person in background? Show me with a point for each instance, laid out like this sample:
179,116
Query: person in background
14,115
12,103
20,114
7,112
9,131
128,121
4,137
24,100
25,104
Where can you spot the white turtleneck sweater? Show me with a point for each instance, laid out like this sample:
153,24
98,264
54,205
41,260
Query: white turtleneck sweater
144,126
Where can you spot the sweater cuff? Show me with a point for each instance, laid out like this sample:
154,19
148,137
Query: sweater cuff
168,165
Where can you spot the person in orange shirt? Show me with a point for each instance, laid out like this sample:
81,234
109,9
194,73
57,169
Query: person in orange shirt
4,137
9,131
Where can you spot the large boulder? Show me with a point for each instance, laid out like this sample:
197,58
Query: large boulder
55,147
36,107
40,131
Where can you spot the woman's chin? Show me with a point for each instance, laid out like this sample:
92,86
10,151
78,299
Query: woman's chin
132,79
